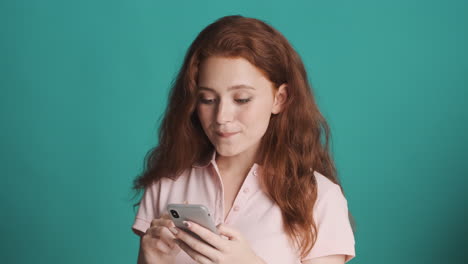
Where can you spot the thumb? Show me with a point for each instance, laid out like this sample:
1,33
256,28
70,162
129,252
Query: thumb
229,232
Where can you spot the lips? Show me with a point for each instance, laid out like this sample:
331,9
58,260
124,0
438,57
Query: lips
226,134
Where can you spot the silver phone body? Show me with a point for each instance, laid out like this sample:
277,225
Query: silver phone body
196,213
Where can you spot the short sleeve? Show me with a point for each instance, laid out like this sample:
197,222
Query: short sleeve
334,233
148,209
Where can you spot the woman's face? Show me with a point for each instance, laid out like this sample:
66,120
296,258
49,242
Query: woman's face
235,97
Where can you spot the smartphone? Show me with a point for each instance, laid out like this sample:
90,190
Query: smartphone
196,213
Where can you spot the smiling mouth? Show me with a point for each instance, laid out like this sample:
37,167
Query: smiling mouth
225,135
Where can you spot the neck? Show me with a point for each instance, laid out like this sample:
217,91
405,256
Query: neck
235,167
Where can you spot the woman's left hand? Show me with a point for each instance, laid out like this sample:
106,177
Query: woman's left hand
233,250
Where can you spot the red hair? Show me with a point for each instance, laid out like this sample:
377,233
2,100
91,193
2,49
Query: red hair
292,146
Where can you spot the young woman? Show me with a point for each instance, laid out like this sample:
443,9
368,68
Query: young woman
243,135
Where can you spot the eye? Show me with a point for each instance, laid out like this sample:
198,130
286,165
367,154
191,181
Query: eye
243,101
206,101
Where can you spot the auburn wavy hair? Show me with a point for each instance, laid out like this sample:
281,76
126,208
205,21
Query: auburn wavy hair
295,144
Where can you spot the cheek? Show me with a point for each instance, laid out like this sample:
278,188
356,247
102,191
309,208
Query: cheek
203,114
256,117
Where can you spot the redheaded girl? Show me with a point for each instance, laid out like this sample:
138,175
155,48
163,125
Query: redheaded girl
243,135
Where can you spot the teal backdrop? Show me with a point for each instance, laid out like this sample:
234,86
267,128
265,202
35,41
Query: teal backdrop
84,84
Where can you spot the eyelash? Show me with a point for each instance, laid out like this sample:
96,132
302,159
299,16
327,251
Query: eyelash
240,101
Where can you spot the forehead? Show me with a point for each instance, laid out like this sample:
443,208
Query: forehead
221,74
230,88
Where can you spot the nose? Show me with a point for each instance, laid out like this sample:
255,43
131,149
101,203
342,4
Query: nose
225,113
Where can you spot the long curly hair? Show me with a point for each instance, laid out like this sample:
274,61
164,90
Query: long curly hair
295,144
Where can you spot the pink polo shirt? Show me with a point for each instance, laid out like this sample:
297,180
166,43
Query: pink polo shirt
253,214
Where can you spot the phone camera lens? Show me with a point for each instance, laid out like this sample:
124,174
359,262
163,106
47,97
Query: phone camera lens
174,214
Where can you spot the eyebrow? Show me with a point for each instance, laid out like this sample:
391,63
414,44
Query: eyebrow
234,87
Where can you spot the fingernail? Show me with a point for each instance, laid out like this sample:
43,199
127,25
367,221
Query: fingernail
187,224
173,230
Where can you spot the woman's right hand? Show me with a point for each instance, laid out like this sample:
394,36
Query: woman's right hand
157,244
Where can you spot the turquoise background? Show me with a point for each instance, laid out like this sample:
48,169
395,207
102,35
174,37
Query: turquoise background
84,84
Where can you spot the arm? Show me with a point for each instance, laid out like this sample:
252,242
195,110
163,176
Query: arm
332,259
141,260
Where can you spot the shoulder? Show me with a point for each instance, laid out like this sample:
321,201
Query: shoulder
328,193
335,235
165,183
191,178
324,185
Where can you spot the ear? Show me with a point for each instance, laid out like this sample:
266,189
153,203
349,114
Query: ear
280,98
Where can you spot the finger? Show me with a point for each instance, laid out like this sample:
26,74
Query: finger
155,222
199,258
162,222
168,220
196,245
164,234
207,235
166,216
155,244
162,246
167,223
221,235
154,232
168,237
229,232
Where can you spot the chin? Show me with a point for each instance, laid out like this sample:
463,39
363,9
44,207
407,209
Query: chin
227,152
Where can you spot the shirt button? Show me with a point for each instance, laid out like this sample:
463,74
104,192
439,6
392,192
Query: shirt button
246,190
255,172
236,208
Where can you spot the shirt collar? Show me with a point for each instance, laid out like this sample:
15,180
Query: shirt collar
205,164
213,161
